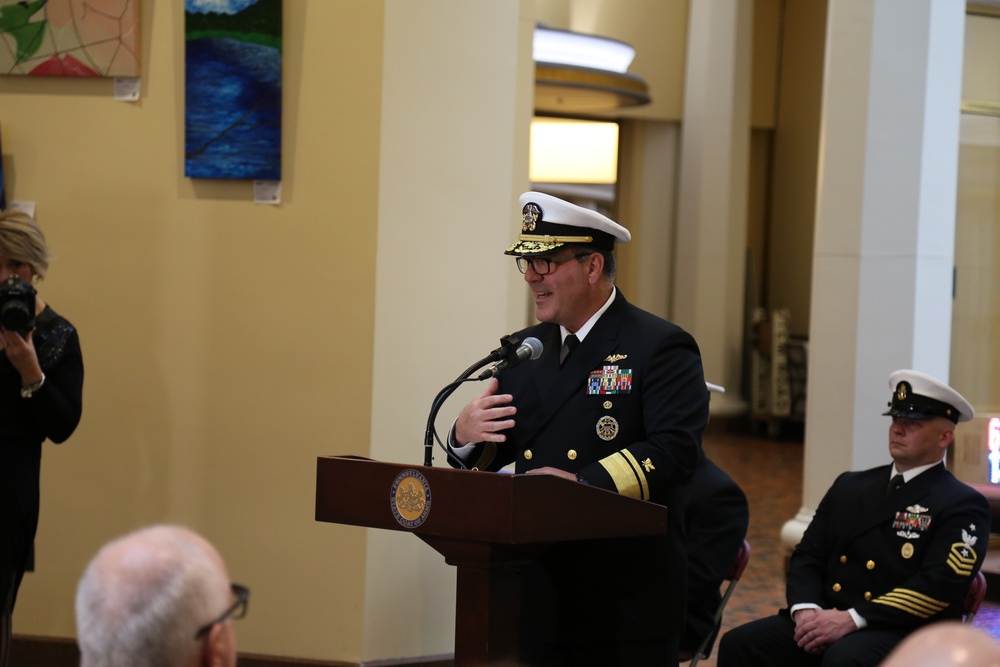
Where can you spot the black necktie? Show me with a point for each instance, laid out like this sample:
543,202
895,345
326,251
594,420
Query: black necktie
894,484
567,349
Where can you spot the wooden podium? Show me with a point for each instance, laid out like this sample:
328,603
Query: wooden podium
486,524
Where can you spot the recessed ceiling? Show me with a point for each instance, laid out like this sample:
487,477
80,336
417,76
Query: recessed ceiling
564,89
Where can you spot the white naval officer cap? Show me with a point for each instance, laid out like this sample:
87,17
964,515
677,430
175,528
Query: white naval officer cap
548,223
916,395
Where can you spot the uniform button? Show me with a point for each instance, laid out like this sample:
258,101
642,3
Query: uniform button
527,454
843,559
608,405
868,595
836,588
870,565
571,455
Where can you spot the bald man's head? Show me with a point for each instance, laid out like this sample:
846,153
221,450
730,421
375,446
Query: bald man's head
144,596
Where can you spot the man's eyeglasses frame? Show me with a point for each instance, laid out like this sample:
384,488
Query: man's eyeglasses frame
545,262
236,611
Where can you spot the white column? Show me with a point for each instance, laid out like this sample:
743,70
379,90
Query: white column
712,197
882,267
457,99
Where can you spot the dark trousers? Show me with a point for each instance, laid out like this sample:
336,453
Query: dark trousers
10,579
770,642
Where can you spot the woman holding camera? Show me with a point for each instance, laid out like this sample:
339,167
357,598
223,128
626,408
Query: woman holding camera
41,387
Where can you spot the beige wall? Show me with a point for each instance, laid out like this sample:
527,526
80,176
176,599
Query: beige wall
456,109
226,345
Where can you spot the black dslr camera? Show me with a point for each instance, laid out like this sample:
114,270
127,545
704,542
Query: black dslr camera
17,305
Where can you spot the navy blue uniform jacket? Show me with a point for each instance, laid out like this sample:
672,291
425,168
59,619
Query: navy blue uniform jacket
626,412
901,561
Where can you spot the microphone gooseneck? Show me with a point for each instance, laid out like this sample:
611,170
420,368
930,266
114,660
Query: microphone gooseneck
510,353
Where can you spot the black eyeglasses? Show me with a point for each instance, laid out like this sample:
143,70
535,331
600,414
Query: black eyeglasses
236,611
543,265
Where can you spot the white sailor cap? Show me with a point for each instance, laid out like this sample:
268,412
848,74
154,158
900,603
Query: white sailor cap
548,223
916,395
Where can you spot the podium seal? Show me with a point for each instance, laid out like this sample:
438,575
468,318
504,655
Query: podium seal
410,498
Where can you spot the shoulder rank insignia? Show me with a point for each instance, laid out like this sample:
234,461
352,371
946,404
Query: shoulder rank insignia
962,557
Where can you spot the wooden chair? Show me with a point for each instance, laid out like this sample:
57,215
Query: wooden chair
974,598
739,564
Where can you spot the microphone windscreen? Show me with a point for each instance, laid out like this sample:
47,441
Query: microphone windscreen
535,345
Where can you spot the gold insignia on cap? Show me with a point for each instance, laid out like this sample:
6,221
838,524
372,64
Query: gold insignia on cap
607,428
648,465
907,550
548,239
530,215
901,390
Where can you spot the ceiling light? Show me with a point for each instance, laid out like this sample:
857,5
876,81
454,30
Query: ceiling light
579,73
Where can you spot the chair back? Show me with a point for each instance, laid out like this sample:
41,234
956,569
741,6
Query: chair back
735,572
740,563
974,598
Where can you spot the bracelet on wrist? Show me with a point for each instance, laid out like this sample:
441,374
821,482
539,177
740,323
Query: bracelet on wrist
29,390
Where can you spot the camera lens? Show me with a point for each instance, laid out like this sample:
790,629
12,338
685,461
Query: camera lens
14,316
17,305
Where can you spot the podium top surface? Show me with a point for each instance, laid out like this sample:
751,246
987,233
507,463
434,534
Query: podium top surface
479,506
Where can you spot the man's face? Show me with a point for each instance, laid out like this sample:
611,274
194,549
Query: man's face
918,442
563,296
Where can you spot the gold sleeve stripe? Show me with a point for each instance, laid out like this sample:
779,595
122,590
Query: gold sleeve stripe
911,602
962,564
627,476
890,603
486,456
640,472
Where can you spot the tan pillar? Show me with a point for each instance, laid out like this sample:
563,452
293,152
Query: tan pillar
712,198
882,267
456,109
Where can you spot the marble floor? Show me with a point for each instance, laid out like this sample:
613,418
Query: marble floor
770,472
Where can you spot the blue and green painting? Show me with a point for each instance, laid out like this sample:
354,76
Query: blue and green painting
232,89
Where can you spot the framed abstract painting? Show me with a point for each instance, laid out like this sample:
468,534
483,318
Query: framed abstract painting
70,38
232,89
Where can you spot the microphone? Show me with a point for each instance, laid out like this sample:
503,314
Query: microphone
531,349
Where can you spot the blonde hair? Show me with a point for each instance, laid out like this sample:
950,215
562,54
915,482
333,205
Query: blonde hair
21,239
